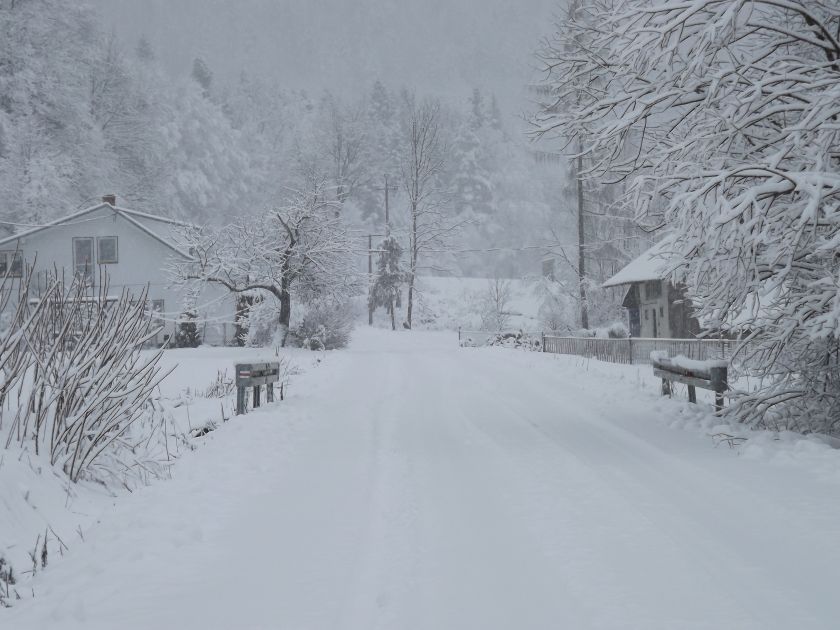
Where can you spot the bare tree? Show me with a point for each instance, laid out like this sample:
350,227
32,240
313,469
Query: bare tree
301,247
344,143
495,305
423,160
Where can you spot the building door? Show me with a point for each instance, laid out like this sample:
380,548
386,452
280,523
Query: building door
635,322
655,330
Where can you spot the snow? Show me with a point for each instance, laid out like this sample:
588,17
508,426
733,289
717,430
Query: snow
35,498
652,264
408,483
685,363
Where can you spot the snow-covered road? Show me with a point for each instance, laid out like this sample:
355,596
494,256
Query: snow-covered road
410,484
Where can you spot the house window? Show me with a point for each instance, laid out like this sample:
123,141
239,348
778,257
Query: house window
83,257
11,263
661,312
107,250
647,314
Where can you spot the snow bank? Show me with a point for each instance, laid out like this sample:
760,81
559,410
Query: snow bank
40,509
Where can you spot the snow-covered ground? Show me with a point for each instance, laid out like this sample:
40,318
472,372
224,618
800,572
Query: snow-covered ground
37,501
408,483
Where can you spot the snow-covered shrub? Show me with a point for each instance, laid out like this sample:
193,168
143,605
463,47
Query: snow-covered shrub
617,330
325,326
7,582
187,334
74,385
221,387
518,340
262,321
557,312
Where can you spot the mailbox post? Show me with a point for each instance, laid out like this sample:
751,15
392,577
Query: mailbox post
255,375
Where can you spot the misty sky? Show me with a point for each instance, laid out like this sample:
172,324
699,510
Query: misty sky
442,46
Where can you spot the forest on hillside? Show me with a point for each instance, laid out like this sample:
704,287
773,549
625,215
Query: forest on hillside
83,114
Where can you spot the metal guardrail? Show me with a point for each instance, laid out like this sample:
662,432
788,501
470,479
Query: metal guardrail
255,375
637,350
709,375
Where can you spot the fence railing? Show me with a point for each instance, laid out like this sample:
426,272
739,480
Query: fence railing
634,350
637,350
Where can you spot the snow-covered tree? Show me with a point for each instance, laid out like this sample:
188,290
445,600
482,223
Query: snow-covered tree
423,159
301,249
725,114
389,279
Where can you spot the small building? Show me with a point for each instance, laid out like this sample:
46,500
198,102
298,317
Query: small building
655,307
133,248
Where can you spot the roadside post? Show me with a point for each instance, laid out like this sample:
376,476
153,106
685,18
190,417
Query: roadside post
255,375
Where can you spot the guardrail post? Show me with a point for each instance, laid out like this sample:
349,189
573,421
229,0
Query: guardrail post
255,375
719,385
240,401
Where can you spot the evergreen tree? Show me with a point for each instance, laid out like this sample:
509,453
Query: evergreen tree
187,335
386,288
202,75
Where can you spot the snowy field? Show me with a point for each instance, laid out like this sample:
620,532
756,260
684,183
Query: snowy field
447,303
408,483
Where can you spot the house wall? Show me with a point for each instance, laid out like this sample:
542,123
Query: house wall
142,260
654,309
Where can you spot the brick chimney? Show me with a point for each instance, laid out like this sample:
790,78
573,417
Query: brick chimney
110,199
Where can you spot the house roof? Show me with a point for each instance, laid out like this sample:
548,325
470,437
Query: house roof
132,216
654,264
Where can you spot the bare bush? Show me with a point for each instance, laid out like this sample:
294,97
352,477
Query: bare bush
73,377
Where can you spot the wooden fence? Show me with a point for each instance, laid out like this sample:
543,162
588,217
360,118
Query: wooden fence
637,350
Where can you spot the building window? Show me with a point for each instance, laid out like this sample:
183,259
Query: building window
647,314
661,312
11,263
83,257
107,250
653,289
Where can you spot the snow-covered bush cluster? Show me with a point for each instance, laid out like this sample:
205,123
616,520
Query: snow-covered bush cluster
723,115
74,386
325,326
517,340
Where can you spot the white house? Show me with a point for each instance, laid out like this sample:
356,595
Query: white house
655,306
134,248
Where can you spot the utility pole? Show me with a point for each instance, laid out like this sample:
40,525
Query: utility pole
370,278
584,310
387,188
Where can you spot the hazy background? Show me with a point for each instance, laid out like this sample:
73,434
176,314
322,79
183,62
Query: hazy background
444,47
